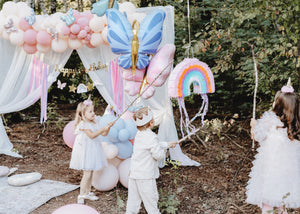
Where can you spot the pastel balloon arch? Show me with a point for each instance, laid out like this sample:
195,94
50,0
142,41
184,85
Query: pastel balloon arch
59,31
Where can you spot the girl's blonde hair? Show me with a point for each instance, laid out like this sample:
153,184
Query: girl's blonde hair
286,107
139,114
80,112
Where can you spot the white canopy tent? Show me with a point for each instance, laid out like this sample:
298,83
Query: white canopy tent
15,82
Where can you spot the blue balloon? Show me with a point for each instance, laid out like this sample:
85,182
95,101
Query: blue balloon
123,135
131,127
99,8
113,135
125,149
119,124
105,119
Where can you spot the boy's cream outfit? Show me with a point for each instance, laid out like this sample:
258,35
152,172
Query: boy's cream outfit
144,171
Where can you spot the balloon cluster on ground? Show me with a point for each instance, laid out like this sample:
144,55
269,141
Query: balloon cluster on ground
57,31
117,147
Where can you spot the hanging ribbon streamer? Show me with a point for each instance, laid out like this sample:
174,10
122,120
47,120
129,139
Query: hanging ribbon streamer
38,78
117,83
44,95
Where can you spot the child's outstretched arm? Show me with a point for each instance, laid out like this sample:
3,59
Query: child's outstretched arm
103,131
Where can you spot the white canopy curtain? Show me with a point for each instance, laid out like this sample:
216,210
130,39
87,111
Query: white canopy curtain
159,103
15,72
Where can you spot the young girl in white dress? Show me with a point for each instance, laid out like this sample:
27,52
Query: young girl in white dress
275,175
87,153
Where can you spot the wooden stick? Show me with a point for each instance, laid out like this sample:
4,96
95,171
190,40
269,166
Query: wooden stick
255,89
184,138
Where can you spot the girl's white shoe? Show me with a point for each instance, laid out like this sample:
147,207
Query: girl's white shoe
80,199
90,197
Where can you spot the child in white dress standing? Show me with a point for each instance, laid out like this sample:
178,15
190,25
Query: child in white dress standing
275,175
144,171
87,153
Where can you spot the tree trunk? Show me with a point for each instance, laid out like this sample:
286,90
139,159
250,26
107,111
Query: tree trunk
66,6
53,6
297,61
41,3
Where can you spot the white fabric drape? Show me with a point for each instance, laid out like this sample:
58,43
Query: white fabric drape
15,74
159,103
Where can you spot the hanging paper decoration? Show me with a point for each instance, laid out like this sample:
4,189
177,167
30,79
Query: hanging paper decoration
61,85
68,18
38,79
30,19
72,88
99,8
134,43
117,85
157,73
81,88
191,72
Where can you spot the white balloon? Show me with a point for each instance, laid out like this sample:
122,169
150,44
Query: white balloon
9,8
104,35
96,24
115,161
75,43
59,45
111,151
105,179
43,48
5,35
96,39
16,38
23,9
127,7
123,170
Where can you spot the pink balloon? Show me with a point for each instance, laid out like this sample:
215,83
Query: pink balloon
87,29
30,49
87,14
24,24
72,36
68,134
77,15
30,37
105,179
88,37
65,30
83,22
82,34
75,209
163,57
75,28
43,38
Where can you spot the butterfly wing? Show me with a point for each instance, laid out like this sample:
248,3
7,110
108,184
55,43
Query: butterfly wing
150,35
119,36
58,84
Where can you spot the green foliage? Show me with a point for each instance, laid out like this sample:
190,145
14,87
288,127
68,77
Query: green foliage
168,202
222,33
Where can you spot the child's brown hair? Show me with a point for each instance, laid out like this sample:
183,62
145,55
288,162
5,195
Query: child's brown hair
139,114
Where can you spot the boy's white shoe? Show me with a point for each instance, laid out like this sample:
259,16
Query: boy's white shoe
80,199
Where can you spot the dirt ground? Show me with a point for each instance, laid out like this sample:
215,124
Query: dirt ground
216,187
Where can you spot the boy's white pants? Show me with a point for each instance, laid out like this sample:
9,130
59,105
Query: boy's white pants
142,190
